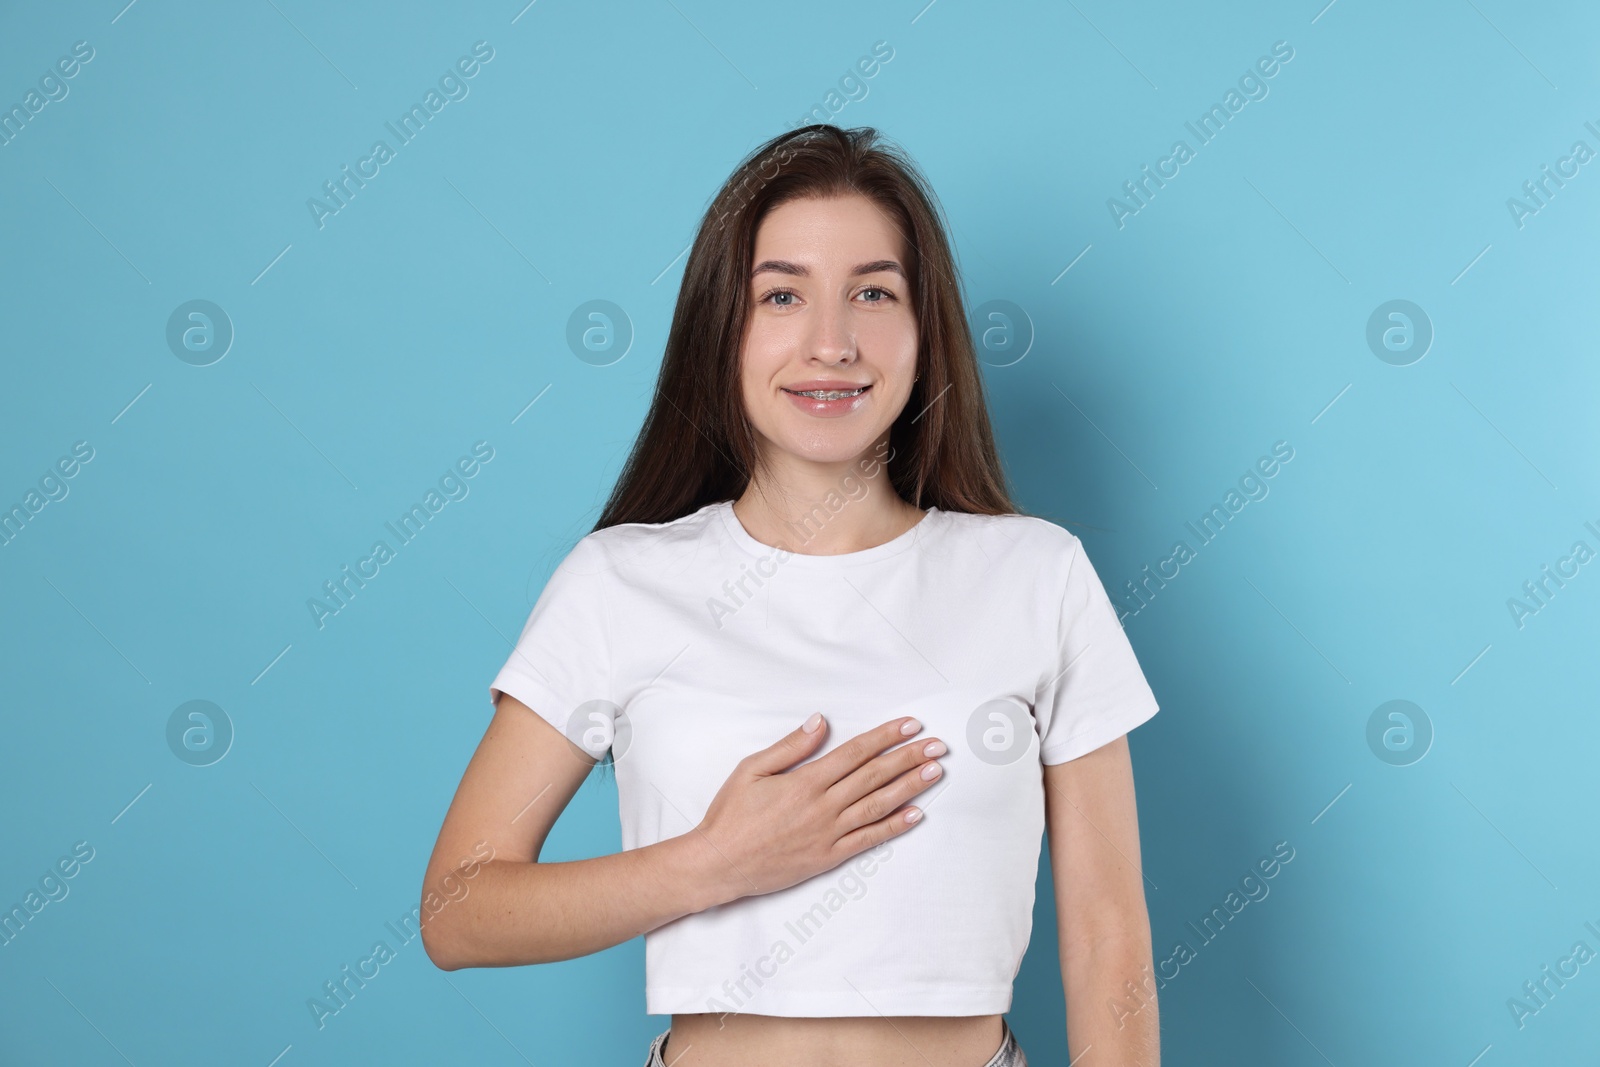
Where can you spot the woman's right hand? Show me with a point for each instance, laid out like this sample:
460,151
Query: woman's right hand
771,827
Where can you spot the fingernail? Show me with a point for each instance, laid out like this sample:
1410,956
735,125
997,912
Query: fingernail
910,727
931,771
934,748
912,815
811,724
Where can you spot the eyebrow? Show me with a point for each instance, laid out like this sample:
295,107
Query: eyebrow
784,266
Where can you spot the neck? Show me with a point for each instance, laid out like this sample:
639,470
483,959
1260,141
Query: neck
825,509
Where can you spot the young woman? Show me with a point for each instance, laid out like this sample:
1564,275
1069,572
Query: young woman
808,612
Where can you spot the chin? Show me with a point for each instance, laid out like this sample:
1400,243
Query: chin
826,449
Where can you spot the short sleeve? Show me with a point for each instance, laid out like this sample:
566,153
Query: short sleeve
1096,691
563,658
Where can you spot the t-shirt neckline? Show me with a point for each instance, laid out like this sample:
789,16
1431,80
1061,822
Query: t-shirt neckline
892,547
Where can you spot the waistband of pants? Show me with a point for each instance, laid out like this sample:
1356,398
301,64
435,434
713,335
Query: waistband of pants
1009,1054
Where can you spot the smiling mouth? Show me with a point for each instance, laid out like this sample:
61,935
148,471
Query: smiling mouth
828,394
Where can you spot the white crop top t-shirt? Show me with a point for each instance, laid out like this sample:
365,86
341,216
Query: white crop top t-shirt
687,645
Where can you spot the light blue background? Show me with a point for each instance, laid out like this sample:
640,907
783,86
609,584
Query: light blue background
1228,314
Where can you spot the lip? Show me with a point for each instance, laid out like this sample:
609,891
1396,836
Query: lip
828,409
826,383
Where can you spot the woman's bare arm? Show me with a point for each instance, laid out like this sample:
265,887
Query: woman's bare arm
514,909
1103,924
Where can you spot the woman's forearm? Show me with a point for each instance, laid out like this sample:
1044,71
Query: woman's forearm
1111,1003
517,913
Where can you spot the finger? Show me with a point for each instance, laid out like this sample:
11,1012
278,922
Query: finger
788,749
885,768
887,799
844,760
875,833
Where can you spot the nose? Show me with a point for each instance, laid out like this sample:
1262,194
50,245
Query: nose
832,337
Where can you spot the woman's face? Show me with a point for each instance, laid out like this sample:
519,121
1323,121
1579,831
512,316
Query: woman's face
831,309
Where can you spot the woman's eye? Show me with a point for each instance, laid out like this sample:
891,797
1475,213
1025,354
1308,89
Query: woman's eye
787,297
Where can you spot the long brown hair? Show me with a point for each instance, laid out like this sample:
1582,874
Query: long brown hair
697,445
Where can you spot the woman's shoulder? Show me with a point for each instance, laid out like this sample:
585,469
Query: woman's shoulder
1032,552
1029,533
626,543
